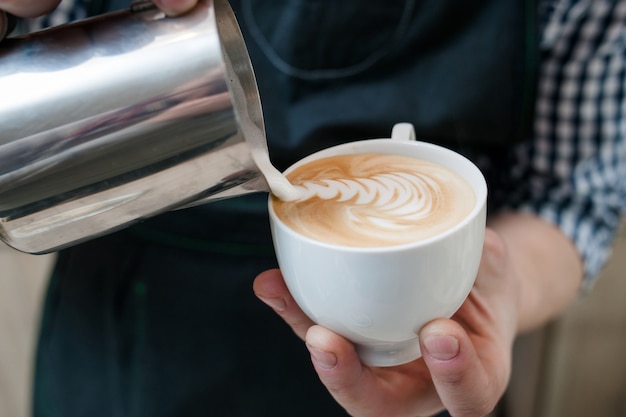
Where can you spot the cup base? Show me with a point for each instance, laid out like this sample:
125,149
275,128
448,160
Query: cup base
389,354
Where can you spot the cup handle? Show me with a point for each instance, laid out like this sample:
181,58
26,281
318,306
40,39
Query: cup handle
403,132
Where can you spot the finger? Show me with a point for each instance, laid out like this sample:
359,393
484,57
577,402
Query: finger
175,7
404,390
339,367
462,381
270,288
28,8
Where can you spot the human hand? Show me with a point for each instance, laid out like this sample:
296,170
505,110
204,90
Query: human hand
30,9
37,8
466,360
11,8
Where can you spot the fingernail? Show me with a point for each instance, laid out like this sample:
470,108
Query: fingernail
441,347
278,304
324,359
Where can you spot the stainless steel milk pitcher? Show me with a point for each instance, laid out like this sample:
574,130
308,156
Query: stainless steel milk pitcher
120,117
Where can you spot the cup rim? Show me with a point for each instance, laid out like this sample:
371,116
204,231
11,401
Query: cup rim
360,147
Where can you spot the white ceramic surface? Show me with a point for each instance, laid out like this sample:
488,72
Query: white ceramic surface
379,298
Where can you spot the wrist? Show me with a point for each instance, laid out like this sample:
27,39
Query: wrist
543,265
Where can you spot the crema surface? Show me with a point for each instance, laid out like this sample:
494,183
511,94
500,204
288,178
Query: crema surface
371,200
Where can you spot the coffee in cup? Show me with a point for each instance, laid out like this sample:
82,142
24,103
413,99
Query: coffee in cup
374,200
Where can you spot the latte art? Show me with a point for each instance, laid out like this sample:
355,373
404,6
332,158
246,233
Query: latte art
402,197
374,200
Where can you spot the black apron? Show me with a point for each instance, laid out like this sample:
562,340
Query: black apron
160,319
331,71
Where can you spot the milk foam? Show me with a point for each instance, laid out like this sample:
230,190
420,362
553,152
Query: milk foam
375,200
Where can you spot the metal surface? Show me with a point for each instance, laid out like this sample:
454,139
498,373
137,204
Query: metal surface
118,118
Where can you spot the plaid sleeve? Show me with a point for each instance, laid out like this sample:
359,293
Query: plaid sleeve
573,171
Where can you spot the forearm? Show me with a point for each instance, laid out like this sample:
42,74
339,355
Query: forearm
546,264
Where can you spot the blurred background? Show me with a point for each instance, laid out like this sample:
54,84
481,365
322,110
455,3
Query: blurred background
574,367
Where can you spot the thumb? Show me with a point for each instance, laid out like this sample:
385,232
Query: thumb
460,378
334,358
340,370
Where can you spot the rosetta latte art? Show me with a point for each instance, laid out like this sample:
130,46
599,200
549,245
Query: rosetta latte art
375,200
395,200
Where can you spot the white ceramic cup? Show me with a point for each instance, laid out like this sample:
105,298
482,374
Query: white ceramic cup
379,298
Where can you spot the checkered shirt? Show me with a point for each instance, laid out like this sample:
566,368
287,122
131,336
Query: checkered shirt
573,170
